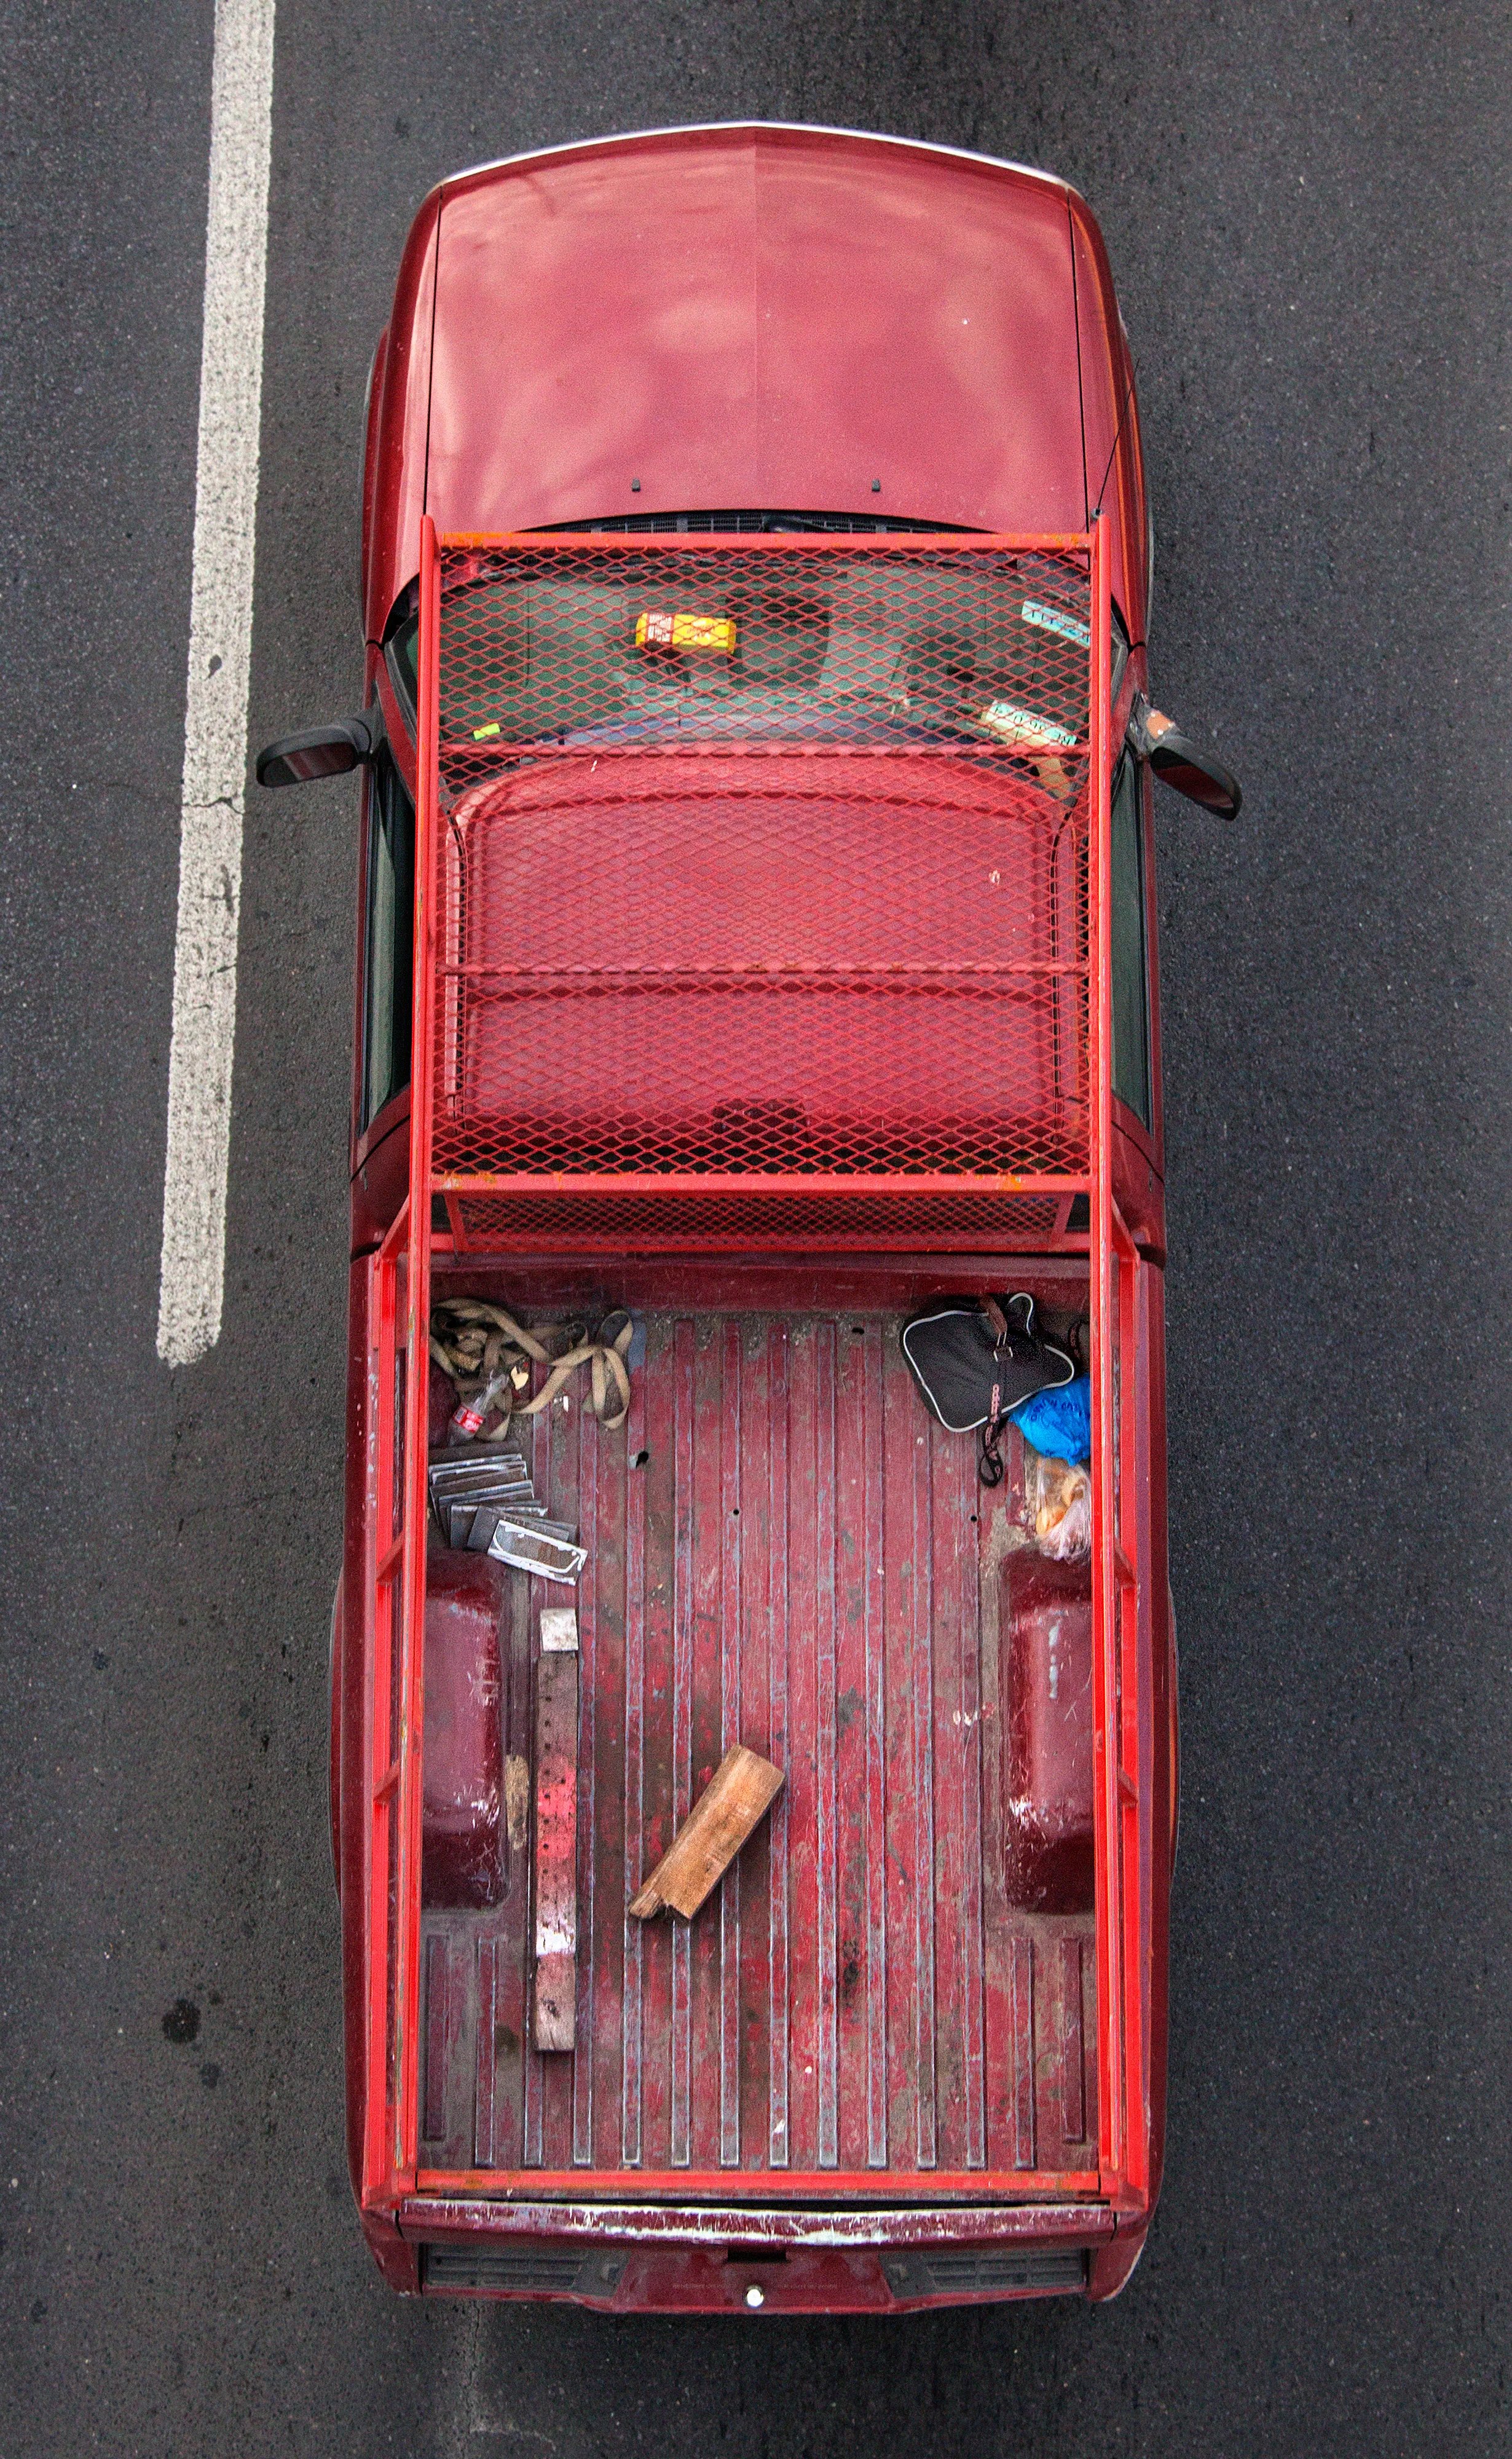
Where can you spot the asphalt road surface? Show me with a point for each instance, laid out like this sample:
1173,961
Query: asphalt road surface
1306,208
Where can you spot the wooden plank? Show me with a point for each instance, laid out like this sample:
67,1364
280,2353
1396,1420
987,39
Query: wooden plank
509,1923
634,1625
685,1556
968,1775
798,1572
702,1939
778,2011
873,1557
827,1637
731,1636
659,1814
486,2056
850,1554
556,1871
562,1637
433,2125
736,1799
557,1986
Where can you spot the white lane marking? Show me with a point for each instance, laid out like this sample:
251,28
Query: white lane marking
193,1267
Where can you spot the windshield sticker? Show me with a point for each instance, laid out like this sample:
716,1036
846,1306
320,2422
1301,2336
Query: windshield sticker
658,631
1023,725
1050,619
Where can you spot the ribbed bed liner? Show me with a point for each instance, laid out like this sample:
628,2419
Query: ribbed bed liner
784,1549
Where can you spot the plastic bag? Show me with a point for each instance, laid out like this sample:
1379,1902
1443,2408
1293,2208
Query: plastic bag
1063,1510
1059,1423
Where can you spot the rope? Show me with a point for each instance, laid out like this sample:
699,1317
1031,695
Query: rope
487,1352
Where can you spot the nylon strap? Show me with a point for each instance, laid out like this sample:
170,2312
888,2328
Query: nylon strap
480,1346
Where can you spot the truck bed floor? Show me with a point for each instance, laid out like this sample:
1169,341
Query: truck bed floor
785,1551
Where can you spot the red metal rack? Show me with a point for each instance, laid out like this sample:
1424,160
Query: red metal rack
940,1086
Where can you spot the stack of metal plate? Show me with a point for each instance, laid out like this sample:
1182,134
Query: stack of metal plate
485,1504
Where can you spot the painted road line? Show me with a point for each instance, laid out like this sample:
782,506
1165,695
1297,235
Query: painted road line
199,1062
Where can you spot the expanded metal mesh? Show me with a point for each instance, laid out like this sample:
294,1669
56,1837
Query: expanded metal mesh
569,643
761,860
844,1220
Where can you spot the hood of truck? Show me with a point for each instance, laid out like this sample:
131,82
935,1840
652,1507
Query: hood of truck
754,317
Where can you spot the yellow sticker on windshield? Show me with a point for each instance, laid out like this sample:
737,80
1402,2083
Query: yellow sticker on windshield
662,631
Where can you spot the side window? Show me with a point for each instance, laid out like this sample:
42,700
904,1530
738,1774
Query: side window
402,650
1131,1064
1118,656
389,951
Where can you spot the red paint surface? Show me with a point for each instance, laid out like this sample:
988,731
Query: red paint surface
1046,1737
755,316
750,316
1114,470
394,477
852,370
800,1565
464,1765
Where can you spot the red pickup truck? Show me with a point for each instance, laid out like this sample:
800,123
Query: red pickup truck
757,943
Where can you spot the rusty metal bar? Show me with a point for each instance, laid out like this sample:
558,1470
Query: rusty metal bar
1032,2202
555,1858
1104,1597
382,1604
867,542
408,1803
714,1182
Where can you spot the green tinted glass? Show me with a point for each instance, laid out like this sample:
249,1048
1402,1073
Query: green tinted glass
389,939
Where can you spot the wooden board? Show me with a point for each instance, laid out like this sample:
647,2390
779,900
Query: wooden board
556,1859
734,1801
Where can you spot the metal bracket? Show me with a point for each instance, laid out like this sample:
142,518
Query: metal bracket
556,1856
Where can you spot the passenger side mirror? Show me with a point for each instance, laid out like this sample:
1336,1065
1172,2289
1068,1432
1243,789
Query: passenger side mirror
324,751
1194,773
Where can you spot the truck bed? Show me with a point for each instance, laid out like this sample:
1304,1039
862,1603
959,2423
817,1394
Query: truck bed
896,1982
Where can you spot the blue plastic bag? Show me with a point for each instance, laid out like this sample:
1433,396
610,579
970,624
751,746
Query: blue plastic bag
1059,1423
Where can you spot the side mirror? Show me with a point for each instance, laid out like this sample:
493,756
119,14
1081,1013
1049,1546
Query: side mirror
324,751
1194,773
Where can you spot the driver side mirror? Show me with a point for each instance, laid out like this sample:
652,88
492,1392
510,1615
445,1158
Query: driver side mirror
324,751
1194,773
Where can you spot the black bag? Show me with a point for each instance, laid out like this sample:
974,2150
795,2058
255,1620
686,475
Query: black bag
974,1360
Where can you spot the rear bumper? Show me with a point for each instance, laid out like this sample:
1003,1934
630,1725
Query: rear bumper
649,2260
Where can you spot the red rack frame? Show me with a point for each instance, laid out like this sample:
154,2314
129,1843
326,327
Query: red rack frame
397,1539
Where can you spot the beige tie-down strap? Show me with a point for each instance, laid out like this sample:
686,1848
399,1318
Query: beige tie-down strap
485,1350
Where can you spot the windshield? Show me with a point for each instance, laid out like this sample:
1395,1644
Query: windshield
583,666
577,649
